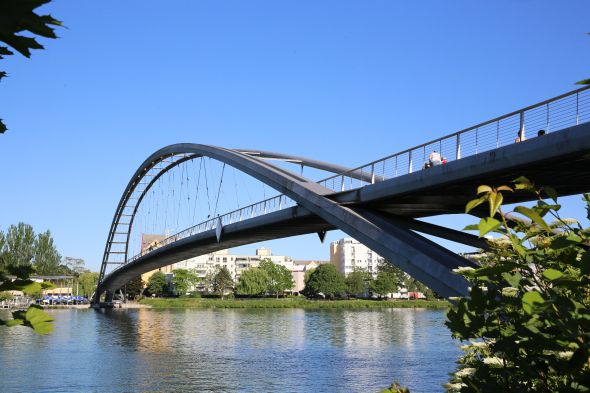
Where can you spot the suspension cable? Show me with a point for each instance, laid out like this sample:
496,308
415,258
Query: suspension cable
219,190
207,189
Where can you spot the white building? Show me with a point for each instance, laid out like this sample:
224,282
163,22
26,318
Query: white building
349,255
236,264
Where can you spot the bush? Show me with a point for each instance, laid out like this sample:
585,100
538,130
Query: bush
528,312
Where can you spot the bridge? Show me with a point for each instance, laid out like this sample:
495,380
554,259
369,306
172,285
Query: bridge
380,203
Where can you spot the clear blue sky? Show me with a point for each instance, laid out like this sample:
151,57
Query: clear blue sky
343,81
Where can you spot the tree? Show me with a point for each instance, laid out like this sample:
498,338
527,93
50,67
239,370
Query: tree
327,280
18,16
20,246
208,281
414,285
183,280
280,278
47,258
253,282
222,281
87,282
358,282
528,311
157,284
385,283
76,266
134,288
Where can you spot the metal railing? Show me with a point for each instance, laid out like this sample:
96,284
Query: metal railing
555,114
258,209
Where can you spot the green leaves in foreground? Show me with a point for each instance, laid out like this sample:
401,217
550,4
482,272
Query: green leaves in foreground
526,319
33,317
18,16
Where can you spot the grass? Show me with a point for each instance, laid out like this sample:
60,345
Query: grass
293,303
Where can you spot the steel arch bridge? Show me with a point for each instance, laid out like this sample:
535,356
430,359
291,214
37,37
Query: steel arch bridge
377,204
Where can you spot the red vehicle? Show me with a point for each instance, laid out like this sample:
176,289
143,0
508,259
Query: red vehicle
416,295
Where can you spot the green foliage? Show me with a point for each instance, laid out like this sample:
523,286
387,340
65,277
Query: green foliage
327,280
17,16
292,302
5,296
280,278
253,282
19,246
73,266
528,312
358,282
222,281
34,317
413,285
87,283
157,284
133,288
184,280
395,388
46,256
385,283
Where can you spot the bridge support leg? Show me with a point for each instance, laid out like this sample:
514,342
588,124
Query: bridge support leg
438,231
421,258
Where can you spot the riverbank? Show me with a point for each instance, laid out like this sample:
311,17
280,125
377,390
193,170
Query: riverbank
292,303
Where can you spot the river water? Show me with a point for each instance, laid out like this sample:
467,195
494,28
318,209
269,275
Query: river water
229,350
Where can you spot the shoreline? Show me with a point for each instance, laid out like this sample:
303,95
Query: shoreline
292,303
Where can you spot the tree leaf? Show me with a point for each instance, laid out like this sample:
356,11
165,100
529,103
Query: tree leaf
474,203
483,189
585,263
488,224
496,199
14,322
550,191
583,82
504,188
561,242
471,227
534,216
552,274
523,183
39,320
531,300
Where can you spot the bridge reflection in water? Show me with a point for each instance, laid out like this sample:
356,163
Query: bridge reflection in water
379,203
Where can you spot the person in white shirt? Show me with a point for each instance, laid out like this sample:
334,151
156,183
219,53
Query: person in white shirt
435,158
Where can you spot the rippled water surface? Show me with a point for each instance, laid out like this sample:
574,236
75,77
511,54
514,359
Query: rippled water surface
276,350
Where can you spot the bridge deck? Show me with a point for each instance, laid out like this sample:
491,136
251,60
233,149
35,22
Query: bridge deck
560,159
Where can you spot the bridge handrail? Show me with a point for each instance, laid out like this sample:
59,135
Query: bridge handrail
266,206
560,112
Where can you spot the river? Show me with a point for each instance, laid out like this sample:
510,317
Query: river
230,350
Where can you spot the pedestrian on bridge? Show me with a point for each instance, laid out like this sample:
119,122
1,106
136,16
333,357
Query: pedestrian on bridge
435,158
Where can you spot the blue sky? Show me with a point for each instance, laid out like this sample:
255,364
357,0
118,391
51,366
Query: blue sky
342,81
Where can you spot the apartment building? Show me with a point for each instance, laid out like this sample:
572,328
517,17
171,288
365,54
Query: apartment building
348,255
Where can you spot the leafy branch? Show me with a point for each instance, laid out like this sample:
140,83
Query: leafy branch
527,316
16,17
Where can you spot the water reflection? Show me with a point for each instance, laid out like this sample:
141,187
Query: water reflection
230,350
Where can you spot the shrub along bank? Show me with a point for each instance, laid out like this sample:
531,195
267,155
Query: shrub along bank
292,303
